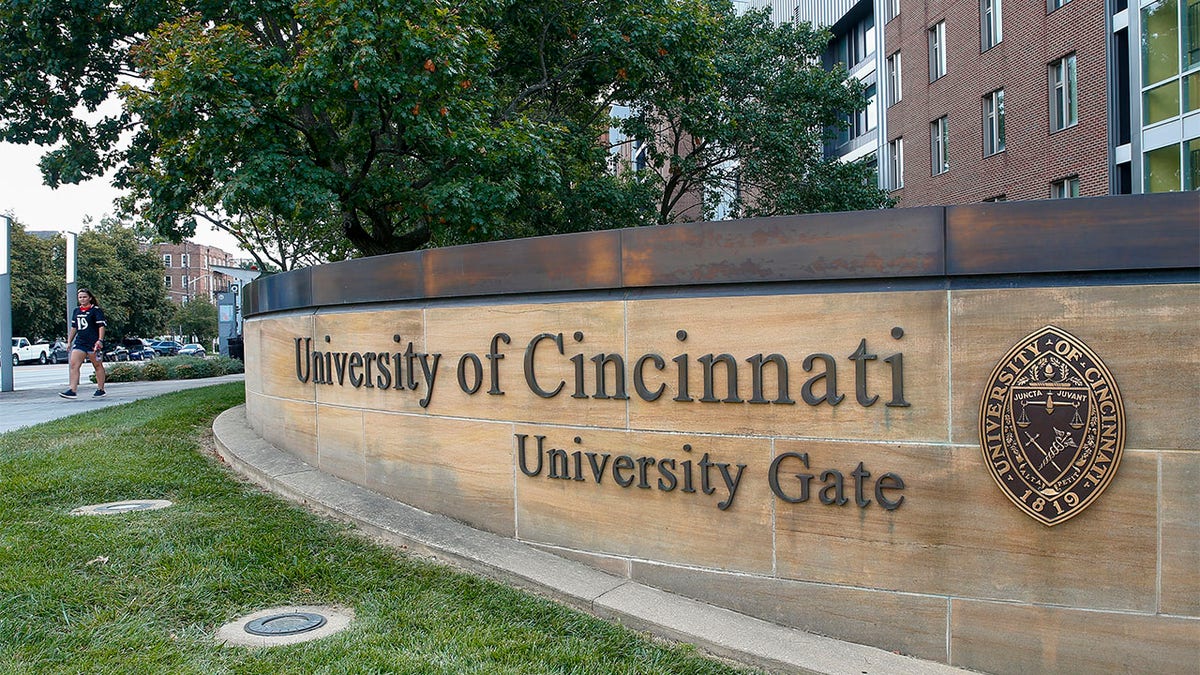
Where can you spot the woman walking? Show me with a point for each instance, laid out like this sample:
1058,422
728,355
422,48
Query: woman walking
86,337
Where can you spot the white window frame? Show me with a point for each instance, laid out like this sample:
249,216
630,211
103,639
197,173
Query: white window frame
893,9
993,123
991,24
166,260
1066,188
1052,5
167,280
937,51
939,146
184,259
896,164
1064,93
895,76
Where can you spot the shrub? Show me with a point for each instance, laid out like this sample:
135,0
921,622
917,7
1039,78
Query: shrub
154,371
121,372
205,368
184,371
227,366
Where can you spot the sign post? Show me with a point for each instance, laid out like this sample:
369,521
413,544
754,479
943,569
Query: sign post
72,300
6,368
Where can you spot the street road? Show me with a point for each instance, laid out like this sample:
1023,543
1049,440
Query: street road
40,377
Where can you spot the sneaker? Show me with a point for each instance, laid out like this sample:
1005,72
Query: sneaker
67,394
100,393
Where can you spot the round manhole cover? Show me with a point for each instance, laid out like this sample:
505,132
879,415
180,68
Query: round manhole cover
111,508
286,625
290,623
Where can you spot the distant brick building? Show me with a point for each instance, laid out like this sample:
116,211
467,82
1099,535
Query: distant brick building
979,100
188,270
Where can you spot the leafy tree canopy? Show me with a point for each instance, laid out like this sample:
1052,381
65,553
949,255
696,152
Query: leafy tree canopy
196,318
127,282
39,305
376,126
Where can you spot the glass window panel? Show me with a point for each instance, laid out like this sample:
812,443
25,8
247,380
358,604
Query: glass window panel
1163,169
1191,34
895,91
1191,156
990,24
872,113
1191,92
1161,102
1160,41
896,164
937,51
869,37
939,146
1072,89
993,122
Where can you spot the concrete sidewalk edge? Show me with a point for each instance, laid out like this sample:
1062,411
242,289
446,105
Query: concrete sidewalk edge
712,629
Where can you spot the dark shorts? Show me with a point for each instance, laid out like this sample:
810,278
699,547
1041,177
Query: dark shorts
83,349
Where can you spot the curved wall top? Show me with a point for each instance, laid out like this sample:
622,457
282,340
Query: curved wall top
1102,234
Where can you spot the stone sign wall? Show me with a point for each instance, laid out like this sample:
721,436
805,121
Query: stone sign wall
789,417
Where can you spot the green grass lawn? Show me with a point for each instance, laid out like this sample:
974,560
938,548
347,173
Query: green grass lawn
145,592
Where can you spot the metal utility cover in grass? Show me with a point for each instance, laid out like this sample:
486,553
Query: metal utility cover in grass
285,626
112,508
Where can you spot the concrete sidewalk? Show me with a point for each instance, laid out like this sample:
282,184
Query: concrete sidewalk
717,631
26,407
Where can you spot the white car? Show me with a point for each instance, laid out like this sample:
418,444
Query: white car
23,351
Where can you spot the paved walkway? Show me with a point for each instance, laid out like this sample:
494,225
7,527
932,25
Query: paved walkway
26,407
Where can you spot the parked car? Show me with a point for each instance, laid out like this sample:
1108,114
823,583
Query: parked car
166,347
59,352
192,349
23,351
139,349
118,353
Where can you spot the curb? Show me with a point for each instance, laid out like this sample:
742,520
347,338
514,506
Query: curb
717,631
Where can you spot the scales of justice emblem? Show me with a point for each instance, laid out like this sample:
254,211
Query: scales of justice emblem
1052,425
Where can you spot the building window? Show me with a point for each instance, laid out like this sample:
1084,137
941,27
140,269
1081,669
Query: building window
896,164
166,260
997,198
1163,170
1191,42
1170,46
1065,188
1191,155
1063,97
857,44
183,260
895,91
993,122
893,9
1052,5
167,281
937,51
939,146
861,122
990,24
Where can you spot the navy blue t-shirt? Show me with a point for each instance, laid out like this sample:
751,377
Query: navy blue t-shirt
87,324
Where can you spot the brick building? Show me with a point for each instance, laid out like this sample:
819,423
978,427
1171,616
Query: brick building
188,270
978,100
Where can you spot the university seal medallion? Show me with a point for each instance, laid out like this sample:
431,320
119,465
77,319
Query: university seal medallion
1052,425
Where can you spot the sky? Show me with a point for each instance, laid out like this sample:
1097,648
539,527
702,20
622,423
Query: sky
23,196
